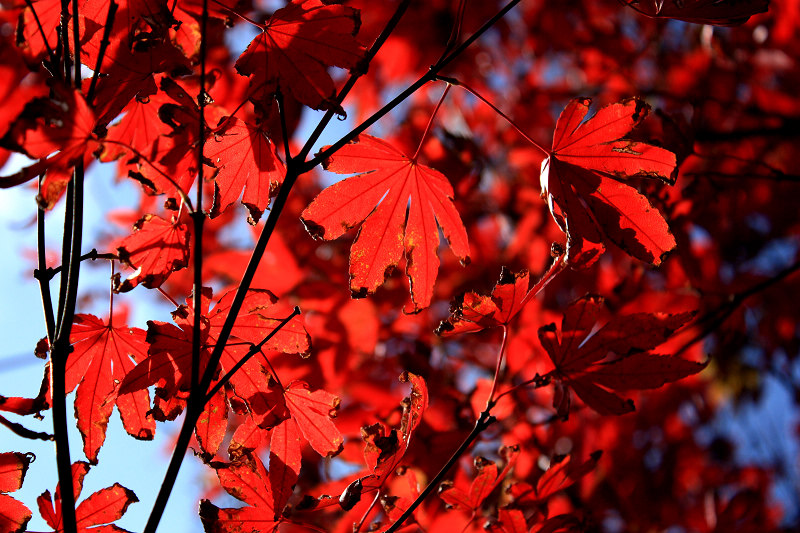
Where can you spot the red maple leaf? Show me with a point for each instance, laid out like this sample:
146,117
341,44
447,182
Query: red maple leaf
246,480
475,312
103,507
562,473
14,515
62,123
615,357
156,249
581,180
411,200
170,358
471,498
384,450
100,360
295,47
170,352
245,159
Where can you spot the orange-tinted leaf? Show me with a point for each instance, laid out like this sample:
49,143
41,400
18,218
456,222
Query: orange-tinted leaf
411,200
101,359
296,45
245,159
581,181
156,249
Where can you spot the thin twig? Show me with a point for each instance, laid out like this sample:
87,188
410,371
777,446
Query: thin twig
112,12
411,89
44,284
93,254
484,421
254,349
354,76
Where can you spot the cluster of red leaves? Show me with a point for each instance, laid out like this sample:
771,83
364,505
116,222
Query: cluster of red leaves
294,425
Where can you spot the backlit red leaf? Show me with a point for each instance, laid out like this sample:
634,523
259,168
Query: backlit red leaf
245,159
245,480
615,357
581,180
101,359
295,47
284,461
399,204
313,412
156,249
103,507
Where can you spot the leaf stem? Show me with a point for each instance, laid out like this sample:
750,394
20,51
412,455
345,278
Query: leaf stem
430,123
490,401
287,155
480,97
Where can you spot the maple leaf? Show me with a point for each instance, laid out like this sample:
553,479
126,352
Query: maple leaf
285,458
42,401
103,507
14,515
170,352
312,412
62,123
581,180
583,363
156,249
715,12
487,480
472,312
562,473
101,359
246,480
245,159
295,46
384,451
411,200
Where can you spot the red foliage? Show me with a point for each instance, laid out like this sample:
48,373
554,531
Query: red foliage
287,383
